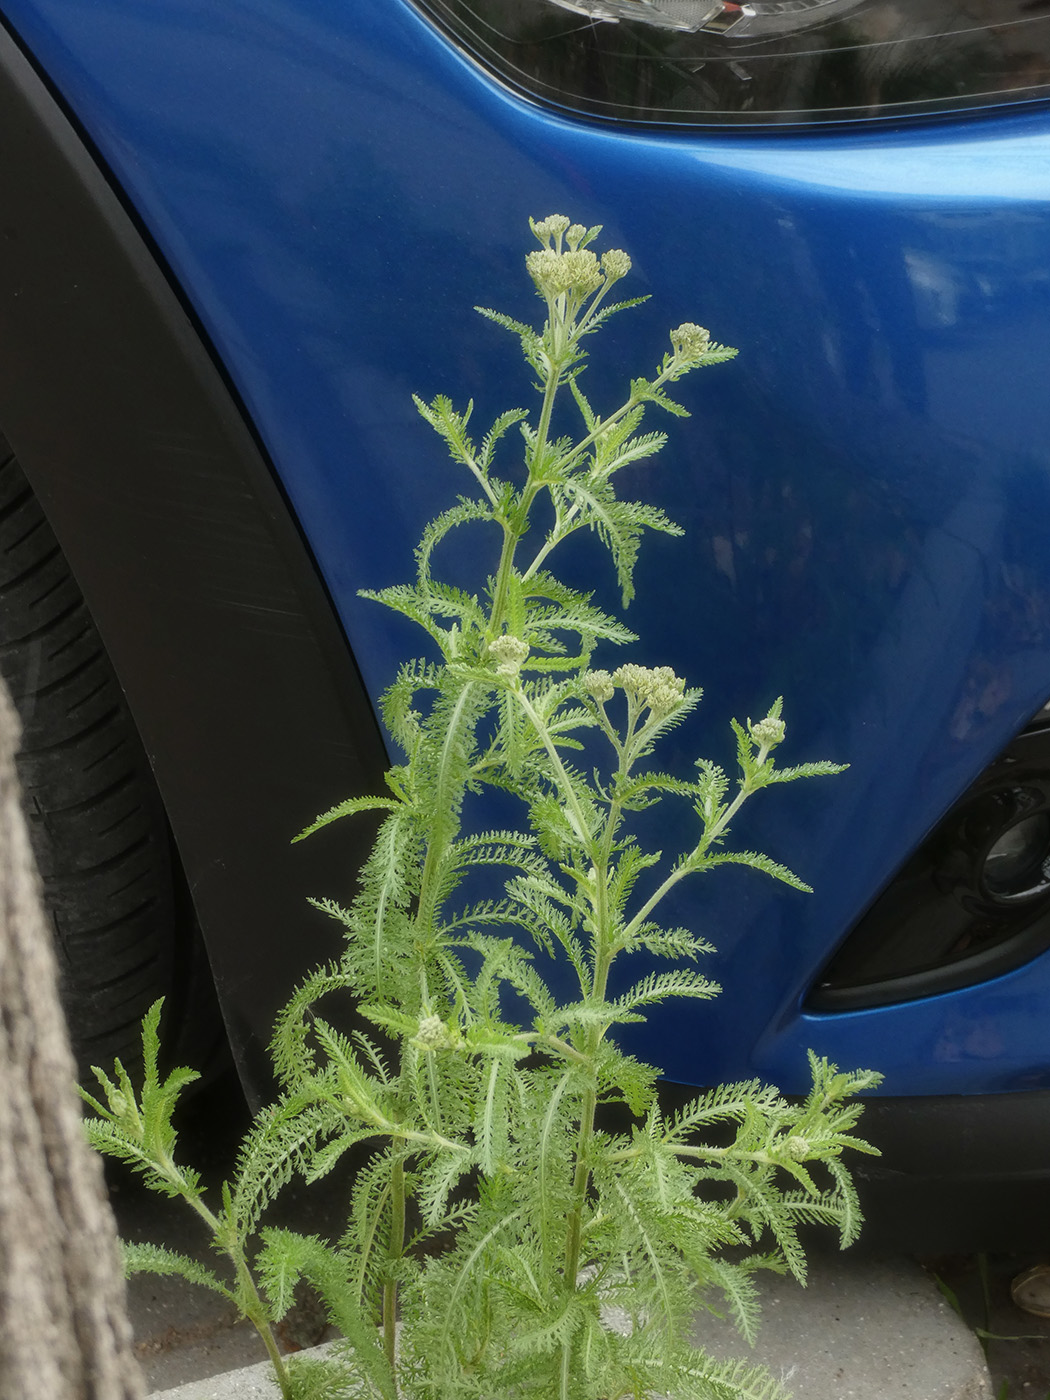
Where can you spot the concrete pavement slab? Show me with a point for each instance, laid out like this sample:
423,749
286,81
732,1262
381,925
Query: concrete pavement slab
863,1329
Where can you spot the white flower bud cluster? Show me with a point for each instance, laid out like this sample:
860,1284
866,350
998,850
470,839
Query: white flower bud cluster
563,263
433,1034
509,654
658,687
797,1147
600,685
690,342
553,226
767,733
554,273
615,264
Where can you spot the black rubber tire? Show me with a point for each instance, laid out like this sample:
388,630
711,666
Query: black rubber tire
95,817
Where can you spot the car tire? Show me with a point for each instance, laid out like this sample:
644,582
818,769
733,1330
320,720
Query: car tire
96,820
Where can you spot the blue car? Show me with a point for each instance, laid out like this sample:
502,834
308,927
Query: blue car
235,239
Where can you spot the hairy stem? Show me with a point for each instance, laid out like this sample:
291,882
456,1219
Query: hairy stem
603,956
572,802
255,1310
688,867
248,1297
514,530
447,803
395,1249
511,535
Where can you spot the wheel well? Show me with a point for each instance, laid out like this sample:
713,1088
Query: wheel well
233,664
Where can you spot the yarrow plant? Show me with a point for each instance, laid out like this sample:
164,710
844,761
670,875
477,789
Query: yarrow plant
503,1239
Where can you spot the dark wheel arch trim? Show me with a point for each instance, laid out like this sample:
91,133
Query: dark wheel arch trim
235,668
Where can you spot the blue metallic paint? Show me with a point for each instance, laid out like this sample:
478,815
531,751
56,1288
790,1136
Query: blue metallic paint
865,490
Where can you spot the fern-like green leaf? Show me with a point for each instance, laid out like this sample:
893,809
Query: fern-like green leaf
756,861
659,986
288,1257
350,807
155,1259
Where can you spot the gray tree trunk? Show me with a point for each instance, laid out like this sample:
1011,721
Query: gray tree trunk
64,1333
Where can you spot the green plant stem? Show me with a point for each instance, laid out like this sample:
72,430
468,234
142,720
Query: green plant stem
426,909
603,957
692,863
255,1311
574,1224
514,530
482,479
250,1302
596,432
700,1154
395,1250
565,1376
437,849
448,804
601,965
543,734
503,576
369,1243
427,1141
560,531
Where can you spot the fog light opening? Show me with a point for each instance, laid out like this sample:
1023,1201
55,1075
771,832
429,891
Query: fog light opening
972,902
1017,865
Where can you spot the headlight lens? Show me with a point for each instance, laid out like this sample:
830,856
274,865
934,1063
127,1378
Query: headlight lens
763,18
768,61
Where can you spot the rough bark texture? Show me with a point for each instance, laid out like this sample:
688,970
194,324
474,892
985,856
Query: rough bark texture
64,1333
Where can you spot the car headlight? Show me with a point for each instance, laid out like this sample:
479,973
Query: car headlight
760,19
767,61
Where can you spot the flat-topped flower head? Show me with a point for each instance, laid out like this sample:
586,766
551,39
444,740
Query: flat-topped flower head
633,678
665,691
555,273
431,1031
658,686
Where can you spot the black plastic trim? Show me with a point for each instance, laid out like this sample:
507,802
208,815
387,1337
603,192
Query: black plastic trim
957,1173
226,644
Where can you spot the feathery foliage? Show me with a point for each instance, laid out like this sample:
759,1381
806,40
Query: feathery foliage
502,1240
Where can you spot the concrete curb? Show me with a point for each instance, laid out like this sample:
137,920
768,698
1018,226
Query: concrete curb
863,1329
